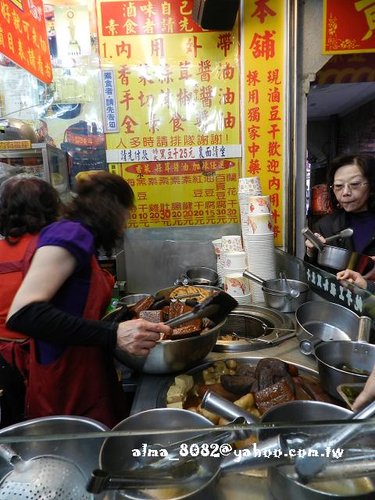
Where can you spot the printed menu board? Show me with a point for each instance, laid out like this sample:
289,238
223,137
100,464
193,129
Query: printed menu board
173,123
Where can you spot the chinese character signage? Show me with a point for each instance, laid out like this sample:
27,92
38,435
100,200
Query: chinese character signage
110,102
349,26
23,36
264,95
178,110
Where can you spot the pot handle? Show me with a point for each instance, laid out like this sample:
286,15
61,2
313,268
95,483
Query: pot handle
9,454
307,346
254,277
308,234
220,406
364,329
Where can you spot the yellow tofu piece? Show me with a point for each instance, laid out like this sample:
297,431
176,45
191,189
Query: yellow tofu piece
186,382
175,394
177,404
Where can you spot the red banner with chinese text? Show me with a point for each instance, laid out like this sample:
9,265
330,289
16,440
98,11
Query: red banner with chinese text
349,26
264,95
23,36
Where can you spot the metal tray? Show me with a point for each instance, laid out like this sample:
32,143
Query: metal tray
161,400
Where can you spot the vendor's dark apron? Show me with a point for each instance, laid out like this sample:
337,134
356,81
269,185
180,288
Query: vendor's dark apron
83,380
14,347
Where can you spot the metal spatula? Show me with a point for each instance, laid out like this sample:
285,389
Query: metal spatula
216,308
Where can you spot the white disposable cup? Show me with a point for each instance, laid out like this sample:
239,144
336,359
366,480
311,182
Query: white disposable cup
249,185
217,246
260,224
234,260
231,243
259,205
236,284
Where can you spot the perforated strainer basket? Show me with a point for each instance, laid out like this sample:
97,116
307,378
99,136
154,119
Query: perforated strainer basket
47,477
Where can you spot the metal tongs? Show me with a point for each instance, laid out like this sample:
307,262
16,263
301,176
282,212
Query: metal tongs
149,478
307,467
216,308
174,449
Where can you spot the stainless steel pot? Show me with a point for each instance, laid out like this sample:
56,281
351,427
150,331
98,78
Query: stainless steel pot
116,455
326,321
331,356
199,276
282,486
277,292
280,481
130,300
170,356
83,452
339,258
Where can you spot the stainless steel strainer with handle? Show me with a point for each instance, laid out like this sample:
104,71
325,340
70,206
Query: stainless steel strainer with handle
47,476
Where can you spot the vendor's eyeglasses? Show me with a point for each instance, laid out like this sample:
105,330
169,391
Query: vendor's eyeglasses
353,186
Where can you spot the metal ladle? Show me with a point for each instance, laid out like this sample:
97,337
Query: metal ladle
345,233
291,291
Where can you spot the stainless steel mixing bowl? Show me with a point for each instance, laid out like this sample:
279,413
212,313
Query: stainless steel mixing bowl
170,356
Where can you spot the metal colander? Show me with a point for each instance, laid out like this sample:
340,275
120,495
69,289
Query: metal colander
45,478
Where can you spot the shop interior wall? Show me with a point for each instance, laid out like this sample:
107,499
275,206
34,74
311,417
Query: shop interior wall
156,258
352,132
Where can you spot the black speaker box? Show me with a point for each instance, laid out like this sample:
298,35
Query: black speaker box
215,14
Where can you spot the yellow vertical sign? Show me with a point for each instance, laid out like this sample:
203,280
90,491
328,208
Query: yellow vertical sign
263,55
177,110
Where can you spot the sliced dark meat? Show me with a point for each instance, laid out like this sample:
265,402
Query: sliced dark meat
279,368
188,329
273,395
142,305
315,390
153,316
254,386
289,379
243,369
176,308
265,377
237,384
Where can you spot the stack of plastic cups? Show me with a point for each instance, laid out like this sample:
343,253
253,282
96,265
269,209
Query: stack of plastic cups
260,246
219,264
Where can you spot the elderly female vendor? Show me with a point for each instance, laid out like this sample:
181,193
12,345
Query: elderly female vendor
351,182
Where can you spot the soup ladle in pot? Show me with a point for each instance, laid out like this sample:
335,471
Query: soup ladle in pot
293,292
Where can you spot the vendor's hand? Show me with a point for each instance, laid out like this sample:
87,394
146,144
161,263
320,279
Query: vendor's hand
352,277
368,393
310,248
371,274
138,336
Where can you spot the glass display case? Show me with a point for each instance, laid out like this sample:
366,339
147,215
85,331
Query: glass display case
44,161
141,458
